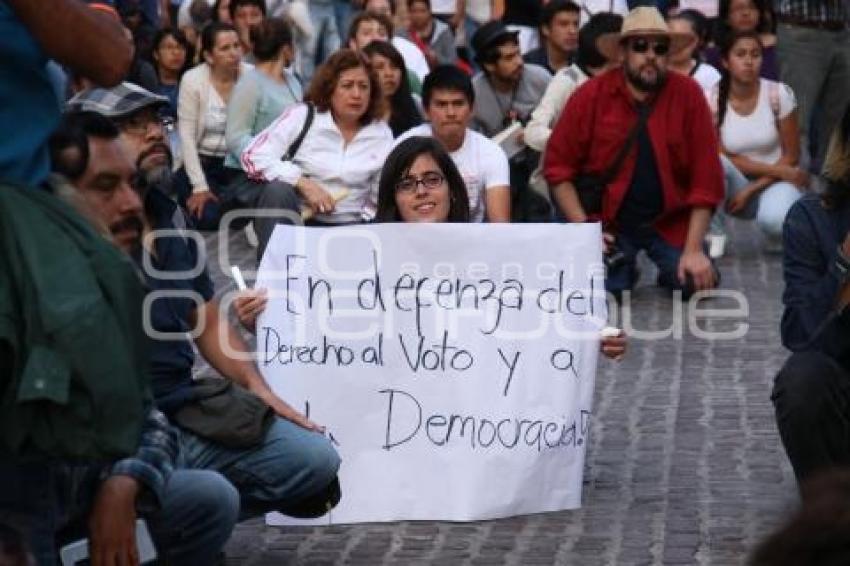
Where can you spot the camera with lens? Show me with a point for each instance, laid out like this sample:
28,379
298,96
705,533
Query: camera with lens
614,258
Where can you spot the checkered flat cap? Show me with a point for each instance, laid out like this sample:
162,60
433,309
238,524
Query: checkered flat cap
115,102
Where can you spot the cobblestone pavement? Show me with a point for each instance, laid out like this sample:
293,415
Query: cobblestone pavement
684,464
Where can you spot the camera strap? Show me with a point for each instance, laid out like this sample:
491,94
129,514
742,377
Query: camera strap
644,110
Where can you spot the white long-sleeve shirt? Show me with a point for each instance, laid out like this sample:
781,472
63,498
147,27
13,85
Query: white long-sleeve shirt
323,157
546,115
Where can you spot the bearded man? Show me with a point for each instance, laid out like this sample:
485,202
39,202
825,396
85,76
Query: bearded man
638,143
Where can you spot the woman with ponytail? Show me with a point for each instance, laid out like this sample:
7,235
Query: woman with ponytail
759,134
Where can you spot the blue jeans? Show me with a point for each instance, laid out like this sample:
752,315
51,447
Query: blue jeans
326,37
199,510
197,514
768,209
664,255
291,466
344,13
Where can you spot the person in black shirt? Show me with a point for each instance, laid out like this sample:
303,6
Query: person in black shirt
811,394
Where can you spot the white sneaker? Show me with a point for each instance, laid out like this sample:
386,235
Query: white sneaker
716,245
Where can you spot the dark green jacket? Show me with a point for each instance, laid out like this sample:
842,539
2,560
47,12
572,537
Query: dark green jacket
73,377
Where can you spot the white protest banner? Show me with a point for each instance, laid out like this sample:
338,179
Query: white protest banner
452,364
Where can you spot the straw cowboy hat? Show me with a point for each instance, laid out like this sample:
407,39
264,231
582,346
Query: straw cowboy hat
641,21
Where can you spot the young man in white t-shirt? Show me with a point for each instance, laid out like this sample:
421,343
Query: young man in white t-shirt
448,97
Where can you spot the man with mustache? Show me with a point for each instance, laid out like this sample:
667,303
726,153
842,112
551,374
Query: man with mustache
136,113
659,195
292,468
506,92
190,513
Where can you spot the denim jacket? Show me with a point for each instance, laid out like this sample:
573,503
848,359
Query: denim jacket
811,236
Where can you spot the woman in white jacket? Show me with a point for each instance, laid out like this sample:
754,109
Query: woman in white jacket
336,167
202,116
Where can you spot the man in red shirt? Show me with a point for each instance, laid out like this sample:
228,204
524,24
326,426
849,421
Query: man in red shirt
662,197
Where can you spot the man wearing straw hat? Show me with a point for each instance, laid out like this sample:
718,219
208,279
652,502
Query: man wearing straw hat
635,149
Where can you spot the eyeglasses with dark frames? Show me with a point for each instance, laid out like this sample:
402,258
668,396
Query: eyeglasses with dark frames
429,181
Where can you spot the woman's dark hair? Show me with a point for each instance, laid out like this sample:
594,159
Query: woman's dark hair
398,165
766,22
210,33
327,76
179,37
836,165
268,37
725,77
599,24
403,111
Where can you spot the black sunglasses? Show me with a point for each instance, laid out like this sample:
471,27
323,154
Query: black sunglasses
659,46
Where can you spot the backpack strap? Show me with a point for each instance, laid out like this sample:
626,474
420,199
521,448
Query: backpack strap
714,102
643,117
308,121
773,96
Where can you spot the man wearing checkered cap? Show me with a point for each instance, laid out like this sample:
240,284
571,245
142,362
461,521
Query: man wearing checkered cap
136,112
292,468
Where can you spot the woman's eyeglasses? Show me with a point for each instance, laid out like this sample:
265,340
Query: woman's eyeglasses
429,182
641,45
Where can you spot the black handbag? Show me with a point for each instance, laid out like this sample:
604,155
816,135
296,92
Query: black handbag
225,413
590,187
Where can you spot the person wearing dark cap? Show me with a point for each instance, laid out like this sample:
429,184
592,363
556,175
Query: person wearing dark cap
138,115
506,92
507,89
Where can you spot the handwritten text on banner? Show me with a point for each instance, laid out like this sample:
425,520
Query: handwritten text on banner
452,364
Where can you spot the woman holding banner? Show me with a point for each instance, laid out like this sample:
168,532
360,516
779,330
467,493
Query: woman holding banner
333,147
419,183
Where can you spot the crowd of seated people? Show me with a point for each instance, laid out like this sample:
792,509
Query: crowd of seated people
415,111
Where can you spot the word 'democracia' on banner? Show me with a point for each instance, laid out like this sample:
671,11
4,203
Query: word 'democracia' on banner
453,365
